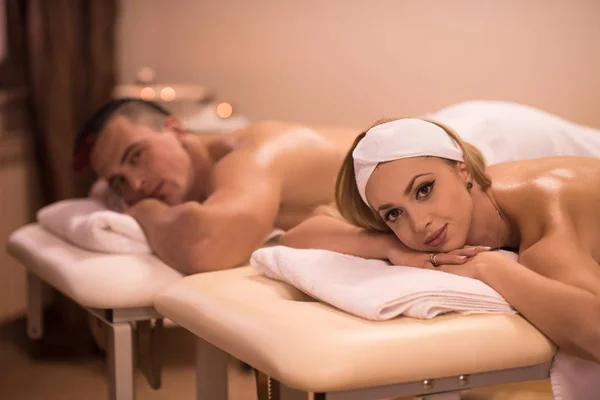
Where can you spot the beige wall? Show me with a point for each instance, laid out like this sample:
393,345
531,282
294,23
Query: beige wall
353,61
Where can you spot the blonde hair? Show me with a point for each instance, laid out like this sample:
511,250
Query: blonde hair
352,207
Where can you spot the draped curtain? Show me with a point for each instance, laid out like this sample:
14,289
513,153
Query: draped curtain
70,53
63,53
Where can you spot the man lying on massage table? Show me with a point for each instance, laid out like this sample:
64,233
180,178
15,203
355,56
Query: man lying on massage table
206,202
419,182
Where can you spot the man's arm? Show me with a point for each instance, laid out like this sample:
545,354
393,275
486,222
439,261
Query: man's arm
223,231
330,233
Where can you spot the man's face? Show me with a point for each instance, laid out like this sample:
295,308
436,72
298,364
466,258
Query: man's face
138,162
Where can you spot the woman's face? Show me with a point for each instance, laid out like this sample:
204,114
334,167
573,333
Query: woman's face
424,200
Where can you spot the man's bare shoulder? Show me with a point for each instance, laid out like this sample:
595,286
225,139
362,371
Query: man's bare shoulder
298,161
280,136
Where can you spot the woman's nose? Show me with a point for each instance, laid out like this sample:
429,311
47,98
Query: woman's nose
421,221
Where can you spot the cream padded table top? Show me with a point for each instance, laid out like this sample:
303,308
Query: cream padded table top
312,346
96,280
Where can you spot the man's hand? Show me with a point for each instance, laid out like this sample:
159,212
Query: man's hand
144,207
399,256
102,192
177,234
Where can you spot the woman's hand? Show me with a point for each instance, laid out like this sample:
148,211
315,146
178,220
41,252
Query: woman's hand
472,266
402,256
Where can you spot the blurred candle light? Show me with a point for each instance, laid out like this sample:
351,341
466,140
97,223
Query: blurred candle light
167,93
224,110
145,76
147,93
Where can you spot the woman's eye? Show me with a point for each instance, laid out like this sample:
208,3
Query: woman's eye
392,215
135,157
424,190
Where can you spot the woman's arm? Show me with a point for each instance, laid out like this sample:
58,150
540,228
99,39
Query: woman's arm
330,233
568,313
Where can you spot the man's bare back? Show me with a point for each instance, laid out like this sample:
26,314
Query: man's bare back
305,160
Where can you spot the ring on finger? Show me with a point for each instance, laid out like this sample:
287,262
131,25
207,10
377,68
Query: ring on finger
432,257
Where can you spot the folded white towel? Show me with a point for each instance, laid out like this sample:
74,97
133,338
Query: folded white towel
374,289
88,224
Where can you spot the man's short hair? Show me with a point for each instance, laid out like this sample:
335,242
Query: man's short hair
134,109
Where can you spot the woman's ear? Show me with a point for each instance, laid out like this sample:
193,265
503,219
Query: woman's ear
463,172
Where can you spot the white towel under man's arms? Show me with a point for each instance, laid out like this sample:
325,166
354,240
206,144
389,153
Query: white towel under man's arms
89,224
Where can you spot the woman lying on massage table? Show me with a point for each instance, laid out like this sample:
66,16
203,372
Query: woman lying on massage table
418,180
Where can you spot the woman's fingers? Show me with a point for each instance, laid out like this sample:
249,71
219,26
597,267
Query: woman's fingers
457,257
470,251
449,259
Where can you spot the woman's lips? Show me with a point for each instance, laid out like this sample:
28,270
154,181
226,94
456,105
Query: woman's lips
438,237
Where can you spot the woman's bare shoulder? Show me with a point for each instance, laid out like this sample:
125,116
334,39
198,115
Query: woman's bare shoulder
546,194
543,171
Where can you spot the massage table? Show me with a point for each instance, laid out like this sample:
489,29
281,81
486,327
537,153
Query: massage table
117,289
317,351
307,345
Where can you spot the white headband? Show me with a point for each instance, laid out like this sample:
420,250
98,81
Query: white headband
402,138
